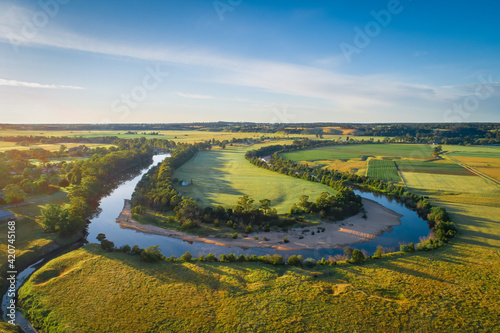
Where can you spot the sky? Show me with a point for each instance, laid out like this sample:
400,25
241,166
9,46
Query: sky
280,61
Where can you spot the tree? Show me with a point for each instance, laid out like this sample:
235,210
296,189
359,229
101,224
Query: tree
13,193
357,256
348,251
186,257
244,204
51,217
265,205
152,254
437,150
293,260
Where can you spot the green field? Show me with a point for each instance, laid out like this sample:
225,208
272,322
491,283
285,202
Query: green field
346,152
4,146
220,177
383,170
433,167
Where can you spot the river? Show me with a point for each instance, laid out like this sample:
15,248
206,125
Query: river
411,229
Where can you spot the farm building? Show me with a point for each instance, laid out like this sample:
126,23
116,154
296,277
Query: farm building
6,216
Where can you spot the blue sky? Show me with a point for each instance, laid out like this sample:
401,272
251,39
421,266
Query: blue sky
75,61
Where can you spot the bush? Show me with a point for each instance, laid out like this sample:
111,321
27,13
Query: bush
378,252
152,254
286,240
235,235
125,249
186,257
135,250
256,238
403,248
211,257
411,247
293,260
231,257
248,229
357,256
309,262
276,259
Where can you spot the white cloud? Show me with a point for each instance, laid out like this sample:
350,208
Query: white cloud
14,83
194,96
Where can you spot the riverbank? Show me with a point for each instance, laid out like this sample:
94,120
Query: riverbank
352,230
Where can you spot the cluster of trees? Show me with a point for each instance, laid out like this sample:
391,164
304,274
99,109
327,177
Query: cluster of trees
149,254
330,207
442,226
156,189
90,180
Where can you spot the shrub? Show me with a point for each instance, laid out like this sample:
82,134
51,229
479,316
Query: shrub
231,257
256,238
403,248
293,260
357,256
135,250
107,245
411,247
248,229
152,254
276,259
378,252
211,257
286,240
186,257
125,249
309,262
242,258
235,235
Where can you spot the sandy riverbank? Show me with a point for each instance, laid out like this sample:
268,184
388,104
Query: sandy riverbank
350,231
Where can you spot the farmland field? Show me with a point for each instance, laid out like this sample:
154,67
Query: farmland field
383,170
350,151
219,177
434,167
4,146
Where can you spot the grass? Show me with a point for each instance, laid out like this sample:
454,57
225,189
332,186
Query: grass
383,170
449,183
31,241
346,152
179,136
220,177
433,167
5,146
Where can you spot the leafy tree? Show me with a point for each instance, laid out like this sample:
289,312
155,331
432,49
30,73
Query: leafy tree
51,217
152,254
348,251
13,193
265,205
357,256
293,260
186,257
436,151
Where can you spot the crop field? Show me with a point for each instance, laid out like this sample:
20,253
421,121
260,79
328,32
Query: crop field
4,146
383,170
346,152
220,177
438,167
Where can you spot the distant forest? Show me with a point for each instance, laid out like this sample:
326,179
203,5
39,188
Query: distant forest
442,133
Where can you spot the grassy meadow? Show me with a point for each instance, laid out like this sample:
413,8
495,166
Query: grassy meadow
5,146
220,177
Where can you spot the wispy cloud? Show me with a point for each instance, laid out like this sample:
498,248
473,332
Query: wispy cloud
194,96
21,84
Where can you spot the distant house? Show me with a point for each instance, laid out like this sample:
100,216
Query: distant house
6,216
184,183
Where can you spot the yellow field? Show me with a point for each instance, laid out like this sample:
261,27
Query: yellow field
4,146
449,183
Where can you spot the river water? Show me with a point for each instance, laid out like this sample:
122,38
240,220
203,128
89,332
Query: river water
411,229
